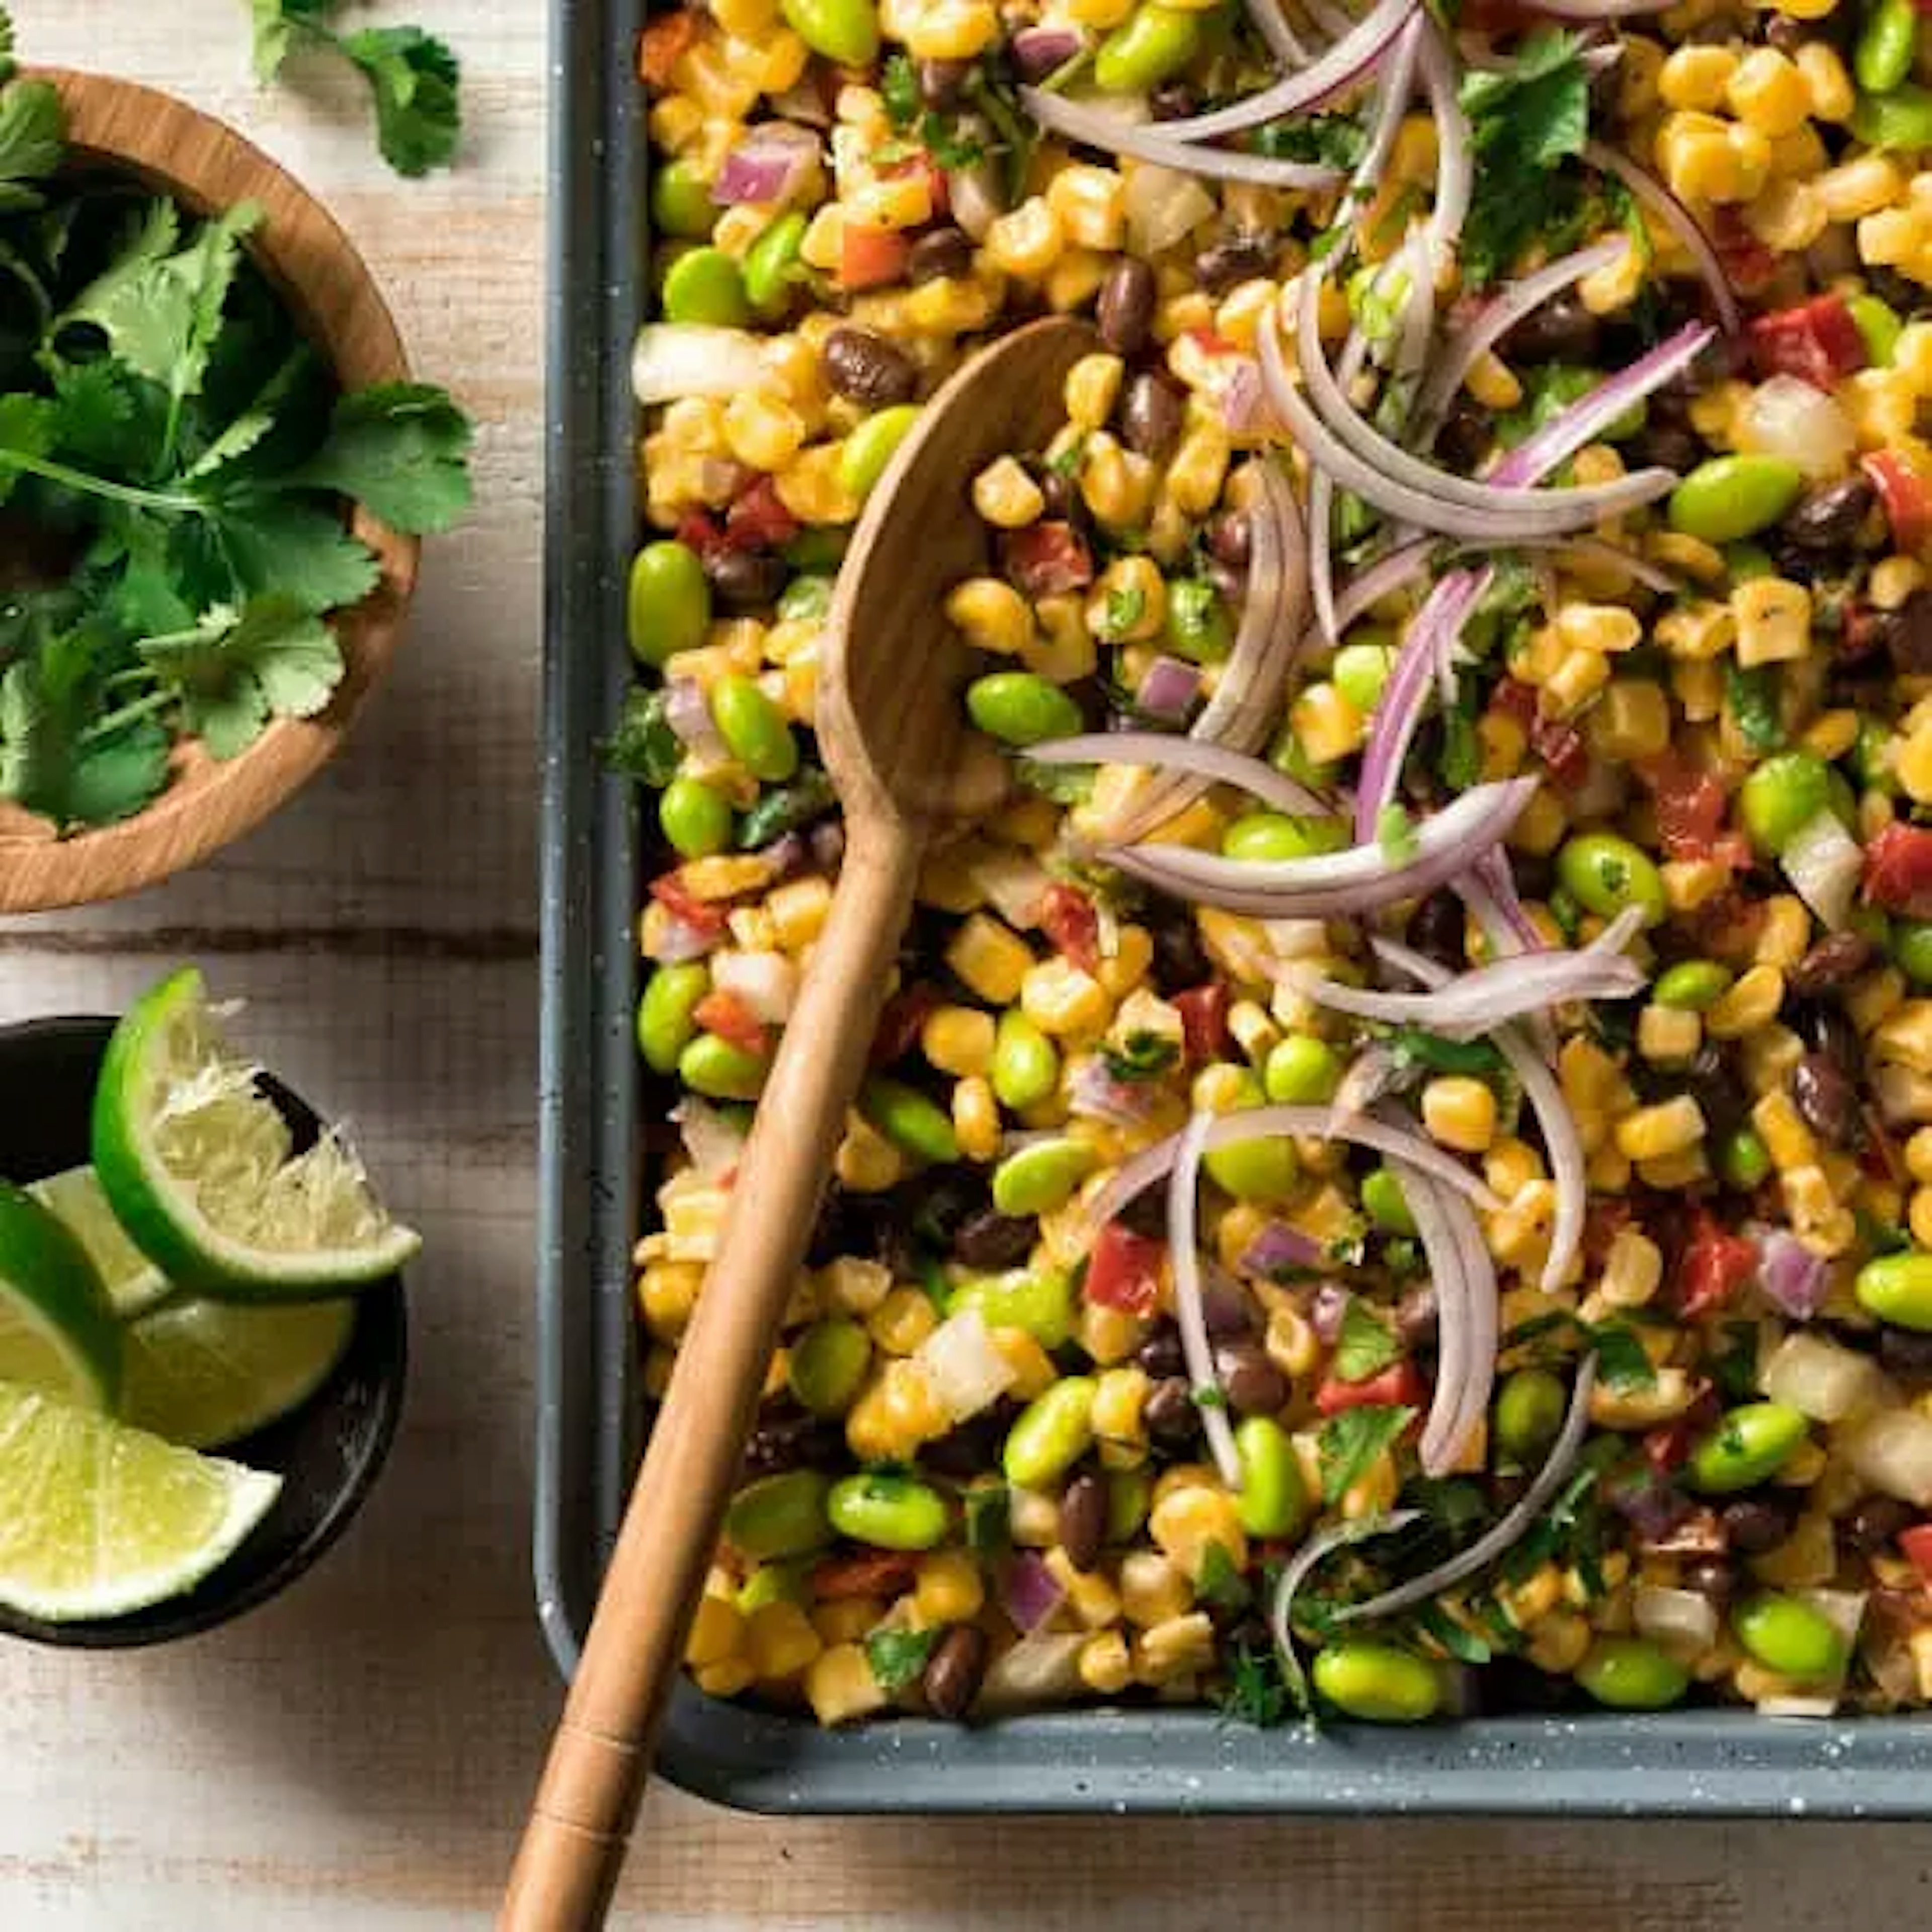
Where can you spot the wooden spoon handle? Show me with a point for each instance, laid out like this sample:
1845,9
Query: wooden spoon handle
574,1845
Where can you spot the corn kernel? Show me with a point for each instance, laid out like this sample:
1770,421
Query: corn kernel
1152,1589
1668,1036
1062,1001
1327,726
840,1686
1752,1001
1774,620
1106,1665
1006,497
779,1640
1091,203
1631,721
1026,242
1696,77
948,1588
1189,1519
1459,1112
990,959
1768,93
1653,1133
975,1119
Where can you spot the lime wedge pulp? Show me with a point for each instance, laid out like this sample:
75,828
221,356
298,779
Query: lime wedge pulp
98,1519
199,1167
132,1282
57,1327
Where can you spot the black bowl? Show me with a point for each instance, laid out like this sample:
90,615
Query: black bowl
328,1452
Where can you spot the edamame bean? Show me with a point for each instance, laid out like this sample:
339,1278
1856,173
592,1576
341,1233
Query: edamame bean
1383,1203
1781,796
1789,1636
782,1582
1879,325
869,448
1902,118
805,600
771,265
825,1366
670,602
1261,838
1264,1168
1745,1158
1733,496
1026,1064
889,1512
1302,1071
754,729
1631,1673
1604,872
1376,1682
1041,1177
1529,1412
1153,45
1912,948
720,1071
780,1516
681,204
706,285
1019,707
1746,560
909,1119
1360,673
1274,1497
1054,1430
696,819
1748,1447
1897,1288
1886,44
1692,986
665,1026
1197,621
1130,1495
1039,1300
845,31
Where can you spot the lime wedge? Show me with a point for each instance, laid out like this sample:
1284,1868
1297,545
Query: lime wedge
203,1373
132,1282
57,1330
98,1519
199,1166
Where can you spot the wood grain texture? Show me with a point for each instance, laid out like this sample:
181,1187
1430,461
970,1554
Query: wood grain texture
357,1757
174,148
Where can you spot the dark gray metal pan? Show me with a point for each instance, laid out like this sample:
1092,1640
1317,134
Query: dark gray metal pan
1709,1763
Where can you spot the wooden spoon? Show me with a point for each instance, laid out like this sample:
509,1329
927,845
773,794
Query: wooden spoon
891,726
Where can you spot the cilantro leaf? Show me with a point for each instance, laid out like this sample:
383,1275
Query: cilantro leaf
898,90
1365,1346
1348,1444
1331,140
1621,1362
119,774
8,66
235,670
1414,1046
50,761
276,23
414,77
27,428
988,1518
33,138
898,1657
1221,1585
1255,1693
644,747
1752,695
1141,1056
294,550
401,450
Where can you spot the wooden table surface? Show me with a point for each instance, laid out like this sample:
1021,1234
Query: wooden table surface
358,1755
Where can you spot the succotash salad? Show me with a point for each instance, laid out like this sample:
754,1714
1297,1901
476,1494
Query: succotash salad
1397,1175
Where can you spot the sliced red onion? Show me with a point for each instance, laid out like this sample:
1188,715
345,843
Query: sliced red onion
674,359
688,712
1373,1071
1277,1246
1095,126
1465,1281
672,941
1492,898
1183,1190
1169,689
1512,1525
1244,407
1455,162
767,165
1212,763
1682,222
1599,9
1328,1310
1039,51
1825,864
1316,1551
1793,1279
1029,1592
1398,1143
1272,26
1322,509
1360,880
1097,1094
972,196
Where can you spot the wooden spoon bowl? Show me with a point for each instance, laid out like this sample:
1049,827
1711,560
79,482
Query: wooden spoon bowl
163,144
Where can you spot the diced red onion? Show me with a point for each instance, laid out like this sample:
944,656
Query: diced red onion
1600,10
1789,417
1792,1279
767,165
1183,1191
673,941
1169,690
1511,1527
1244,407
1039,51
1097,1095
1328,1311
1278,1246
766,983
1682,222
1095,126
1029,1593
688,712
1212,763
675,359
1825,864
1040,1670
1302,1564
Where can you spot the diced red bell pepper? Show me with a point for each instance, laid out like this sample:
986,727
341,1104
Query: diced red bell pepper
1047,559
905,1012
1068,917
727,1015
1728,926
869,258
1715,1264
875,1573
1748,262
1691,809
1397,1386
1817,340
758,520
1204,1022
663,43
700,915
1898,871
1124,1271
921,163
1916,1543
1560,747
1211,342
701,531
1514,699
1906,494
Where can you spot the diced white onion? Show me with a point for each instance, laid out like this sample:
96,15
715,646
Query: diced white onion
967,1372
1818,1378
1163,207
1788,417
673,359
1683,1621
767,982
1825,863
1892,1451
1042,1668
1013,882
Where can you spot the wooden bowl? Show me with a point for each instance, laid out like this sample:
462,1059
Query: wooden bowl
168,145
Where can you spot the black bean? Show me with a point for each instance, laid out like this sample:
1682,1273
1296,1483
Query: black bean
1907,635
1125,309
1712,1082
1416,1316
1236,258
1825,1098
1231,539
991,1240
1830,964
788,1439
1905,1352
1828,518
1756,1523
1172,1419
1151,415
1673,446
1180,960
954,1671
1253,1384
1562,330
1083,1519
1826,1028
1225,1306
866,368
1787,35
1711,1577
1146,1215
1437,927
747,579
963,1453
1172,100
1161,1354
944,254
1875,1523
941,81
1464,437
